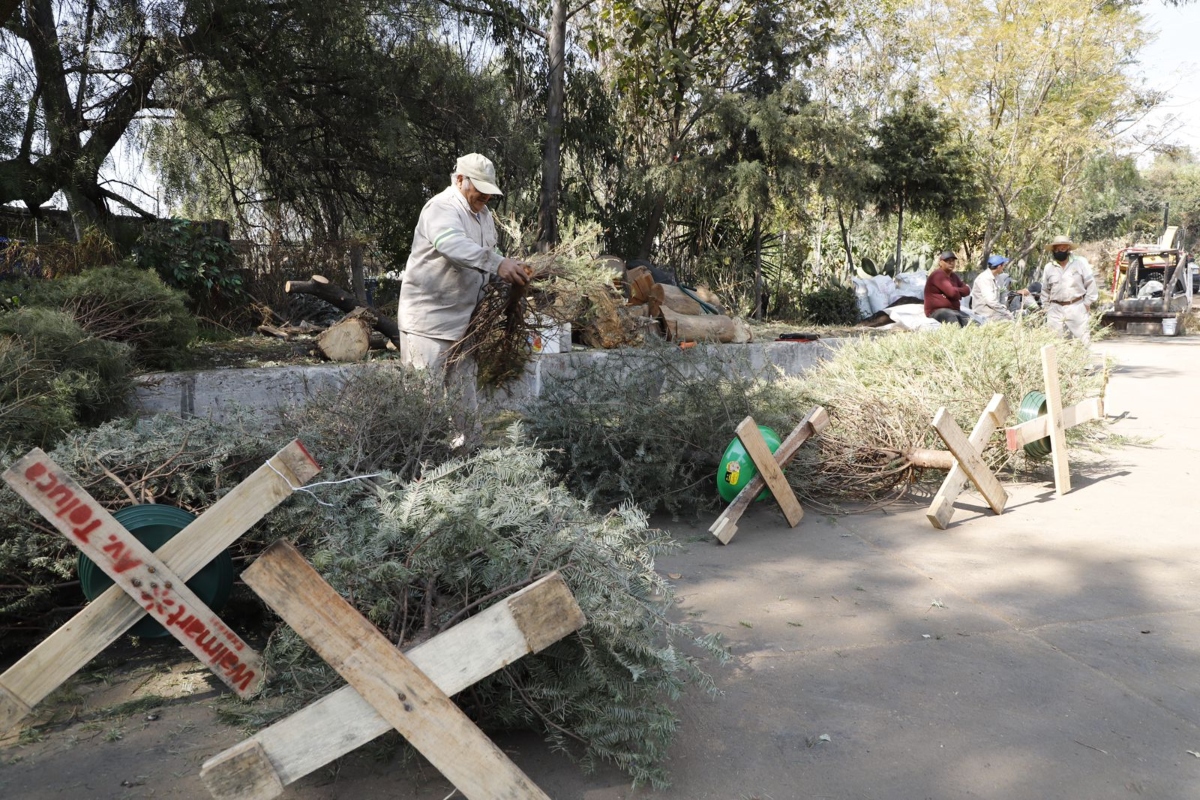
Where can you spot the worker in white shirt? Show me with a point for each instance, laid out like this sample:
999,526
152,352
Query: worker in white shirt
1068,290
985,294
453,257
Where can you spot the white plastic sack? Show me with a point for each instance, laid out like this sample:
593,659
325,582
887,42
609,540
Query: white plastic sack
912,317
881,291
861,298
911,284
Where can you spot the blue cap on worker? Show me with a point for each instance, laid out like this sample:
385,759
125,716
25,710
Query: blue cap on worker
996,261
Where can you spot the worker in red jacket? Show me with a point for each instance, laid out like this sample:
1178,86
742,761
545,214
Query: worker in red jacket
944,292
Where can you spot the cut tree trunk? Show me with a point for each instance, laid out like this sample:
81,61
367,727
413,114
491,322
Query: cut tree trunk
673,297
320,287
707,328
348,340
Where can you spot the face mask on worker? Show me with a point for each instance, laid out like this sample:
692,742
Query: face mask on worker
1062,255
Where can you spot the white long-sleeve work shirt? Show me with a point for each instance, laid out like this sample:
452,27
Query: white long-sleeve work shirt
985,297
453,256
1069,281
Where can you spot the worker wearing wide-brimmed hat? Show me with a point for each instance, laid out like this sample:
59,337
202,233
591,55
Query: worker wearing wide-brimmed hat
1068,290
453,257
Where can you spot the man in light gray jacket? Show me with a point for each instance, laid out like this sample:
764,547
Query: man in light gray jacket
453,257
1068,290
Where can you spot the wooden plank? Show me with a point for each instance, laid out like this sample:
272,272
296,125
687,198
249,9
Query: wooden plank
760,453
1088,410
454,660
242,771
139,572
1054,412
384,677
102,621
725,525
942,507
970,461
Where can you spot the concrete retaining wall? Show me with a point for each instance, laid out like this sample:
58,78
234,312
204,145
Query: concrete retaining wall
266,391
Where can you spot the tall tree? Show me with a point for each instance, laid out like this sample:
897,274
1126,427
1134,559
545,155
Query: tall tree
919,164
1040,89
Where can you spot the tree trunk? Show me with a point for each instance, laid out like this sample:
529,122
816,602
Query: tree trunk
552,156
846,240
660,205
322,288
356,273
899,236
759,308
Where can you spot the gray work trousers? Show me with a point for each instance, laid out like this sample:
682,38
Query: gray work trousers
459,378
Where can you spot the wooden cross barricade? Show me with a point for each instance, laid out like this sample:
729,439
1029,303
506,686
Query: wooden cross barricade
145,582
389,689
770,472
969,463
1055,421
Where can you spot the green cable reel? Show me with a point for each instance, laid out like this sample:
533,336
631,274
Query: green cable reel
1033,405
154,525
737,468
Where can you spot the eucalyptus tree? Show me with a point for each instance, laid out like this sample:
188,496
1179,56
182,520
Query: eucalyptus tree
1040,89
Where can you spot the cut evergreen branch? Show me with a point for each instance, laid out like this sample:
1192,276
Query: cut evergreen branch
649,425
881,393
430,552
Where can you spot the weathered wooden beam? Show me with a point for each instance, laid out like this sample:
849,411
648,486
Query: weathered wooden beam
102,621
163,594
725,526
760,453
970,460
524,623
942,507
1054,417
1088,410
399,691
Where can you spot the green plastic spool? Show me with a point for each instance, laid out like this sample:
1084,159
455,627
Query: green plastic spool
153,525
1033,405
737,469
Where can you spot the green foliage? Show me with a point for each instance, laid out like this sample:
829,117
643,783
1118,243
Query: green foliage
383,417
830,305
187,257
55,377
649,426
124,304
428,553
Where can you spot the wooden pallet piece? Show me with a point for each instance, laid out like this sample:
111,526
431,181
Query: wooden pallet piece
970,460
942,507
162,594
400,692
1055,422
1088,410
279,755
725,526
1054,415
110,615
760,453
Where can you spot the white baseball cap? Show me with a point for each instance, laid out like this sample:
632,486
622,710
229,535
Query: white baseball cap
481,171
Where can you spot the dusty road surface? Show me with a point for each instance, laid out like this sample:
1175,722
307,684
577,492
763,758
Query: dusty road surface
1052,652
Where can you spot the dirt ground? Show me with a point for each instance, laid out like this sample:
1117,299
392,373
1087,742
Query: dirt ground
1051,652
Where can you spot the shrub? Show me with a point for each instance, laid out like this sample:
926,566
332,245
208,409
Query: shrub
830,305
650,425
187,257
54,377
125,304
